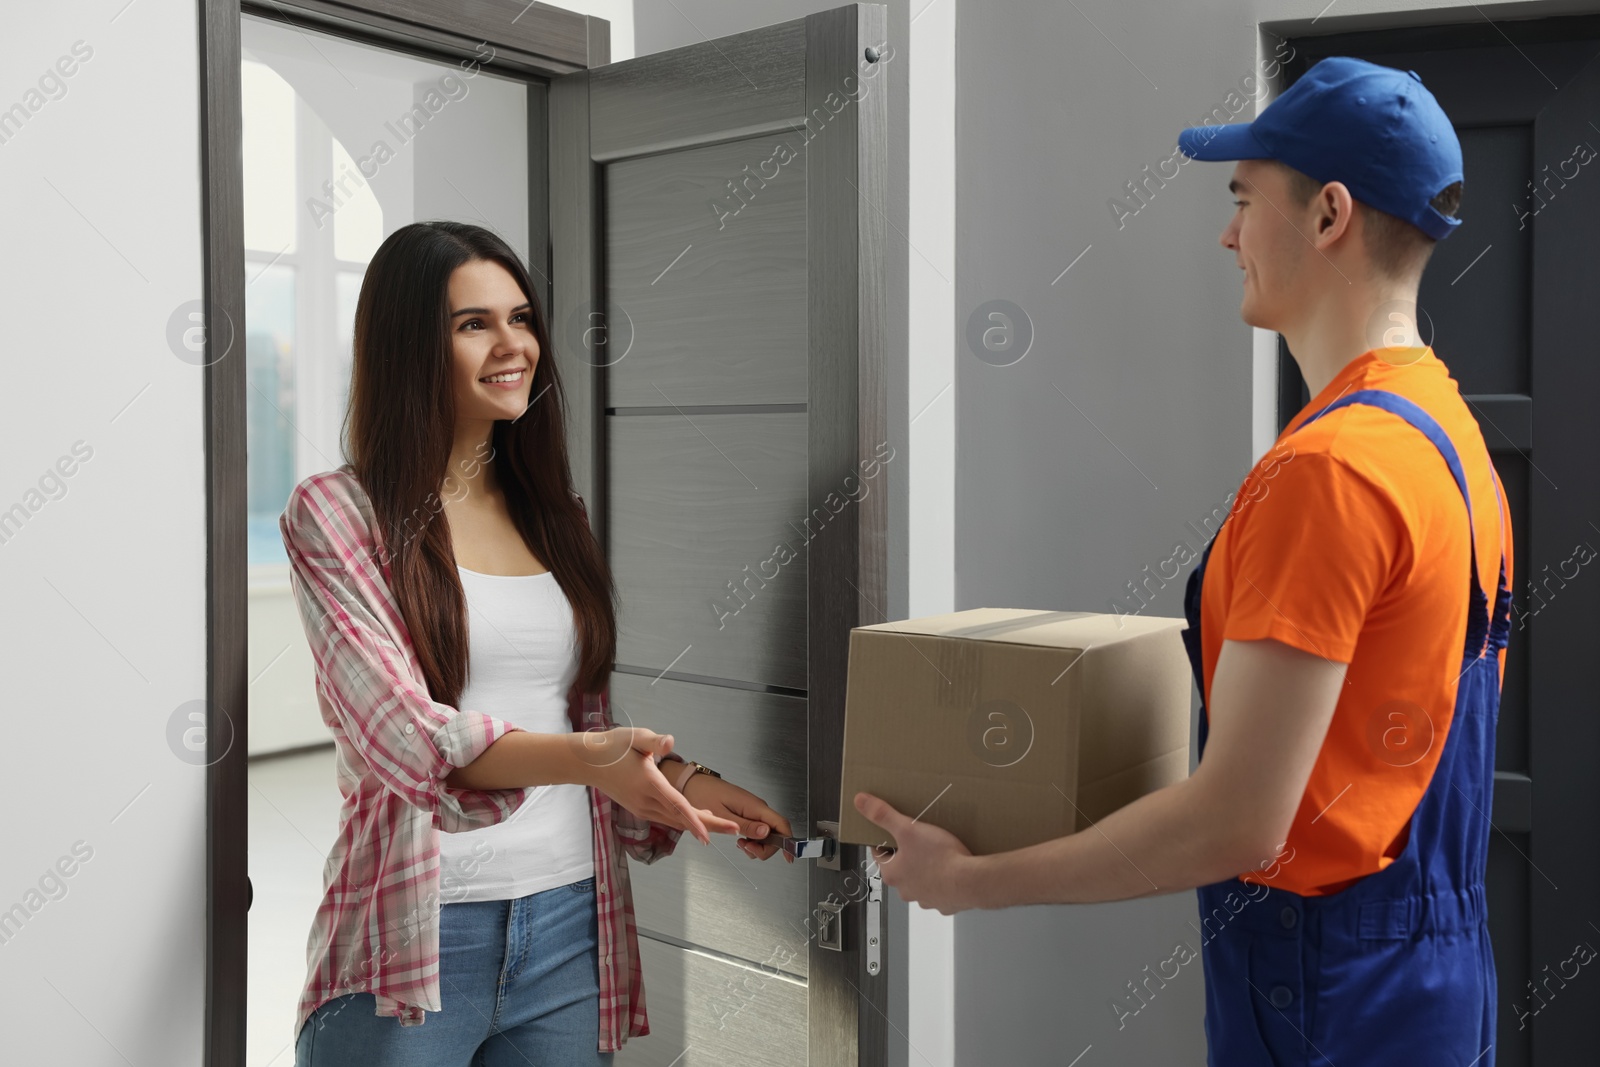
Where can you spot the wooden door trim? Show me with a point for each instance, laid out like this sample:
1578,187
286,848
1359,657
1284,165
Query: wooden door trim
848,404
227,929
541,41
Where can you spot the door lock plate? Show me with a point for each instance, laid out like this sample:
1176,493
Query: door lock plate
830,925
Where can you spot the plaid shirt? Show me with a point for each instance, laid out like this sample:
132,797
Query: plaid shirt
377,926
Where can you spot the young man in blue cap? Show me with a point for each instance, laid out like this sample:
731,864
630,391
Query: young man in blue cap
1341,632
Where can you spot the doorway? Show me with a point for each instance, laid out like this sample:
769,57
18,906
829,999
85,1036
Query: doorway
343,142
298,195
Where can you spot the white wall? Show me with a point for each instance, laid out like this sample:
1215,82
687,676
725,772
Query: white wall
102,880
104,632
617,12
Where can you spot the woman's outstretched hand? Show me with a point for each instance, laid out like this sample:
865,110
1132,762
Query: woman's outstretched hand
758,824
622,764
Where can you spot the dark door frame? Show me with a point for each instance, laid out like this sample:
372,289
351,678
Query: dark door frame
540,43
1553,776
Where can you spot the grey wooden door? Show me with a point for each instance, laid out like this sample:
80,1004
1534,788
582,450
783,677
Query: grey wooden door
717,304
1509,303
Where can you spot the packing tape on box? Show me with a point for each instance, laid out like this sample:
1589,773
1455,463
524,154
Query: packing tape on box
956,683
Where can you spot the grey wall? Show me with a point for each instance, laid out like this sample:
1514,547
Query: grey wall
1080,464
1059,503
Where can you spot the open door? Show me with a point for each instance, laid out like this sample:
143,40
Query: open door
718,295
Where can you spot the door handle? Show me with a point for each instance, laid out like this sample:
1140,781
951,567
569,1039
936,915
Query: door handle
810,848
823,848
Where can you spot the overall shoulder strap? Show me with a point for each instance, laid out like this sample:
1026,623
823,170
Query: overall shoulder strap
1478,623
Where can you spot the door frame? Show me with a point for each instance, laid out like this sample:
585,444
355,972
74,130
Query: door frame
847,405
542,43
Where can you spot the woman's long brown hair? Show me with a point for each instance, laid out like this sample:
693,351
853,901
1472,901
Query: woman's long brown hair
398,433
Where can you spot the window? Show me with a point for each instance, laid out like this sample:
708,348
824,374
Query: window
319,199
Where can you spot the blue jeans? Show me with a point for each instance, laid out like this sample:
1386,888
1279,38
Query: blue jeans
519,986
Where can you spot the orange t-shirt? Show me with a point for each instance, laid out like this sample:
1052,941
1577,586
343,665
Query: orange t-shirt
1348,540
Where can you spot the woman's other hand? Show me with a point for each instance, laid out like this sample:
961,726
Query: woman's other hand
758,824
622,765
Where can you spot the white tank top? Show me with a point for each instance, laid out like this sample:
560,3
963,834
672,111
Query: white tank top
522,653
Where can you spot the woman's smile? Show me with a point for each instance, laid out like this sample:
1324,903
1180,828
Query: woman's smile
506,379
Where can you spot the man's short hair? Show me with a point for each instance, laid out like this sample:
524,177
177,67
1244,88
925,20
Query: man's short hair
1398,249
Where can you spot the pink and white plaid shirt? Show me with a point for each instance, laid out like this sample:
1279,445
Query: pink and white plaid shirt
377,927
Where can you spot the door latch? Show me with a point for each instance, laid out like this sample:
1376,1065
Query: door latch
873,906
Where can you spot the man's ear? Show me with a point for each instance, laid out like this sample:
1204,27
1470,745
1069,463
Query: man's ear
1333,209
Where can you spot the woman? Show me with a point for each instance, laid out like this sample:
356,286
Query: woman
443,730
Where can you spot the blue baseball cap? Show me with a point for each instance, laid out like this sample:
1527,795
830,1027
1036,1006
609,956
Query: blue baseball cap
1376,129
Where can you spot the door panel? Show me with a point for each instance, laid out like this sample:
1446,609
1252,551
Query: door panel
716,897
707,1011
727,224
718,277
749,82
700,506
1508,303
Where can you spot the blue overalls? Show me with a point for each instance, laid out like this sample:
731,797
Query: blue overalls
1396,968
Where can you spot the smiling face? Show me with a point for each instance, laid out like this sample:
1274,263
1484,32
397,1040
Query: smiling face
492,342
1267,237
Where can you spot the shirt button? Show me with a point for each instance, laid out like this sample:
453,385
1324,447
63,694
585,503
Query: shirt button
602,887
411,727
1281,996
1288,916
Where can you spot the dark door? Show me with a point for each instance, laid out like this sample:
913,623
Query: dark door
718,270
1510,303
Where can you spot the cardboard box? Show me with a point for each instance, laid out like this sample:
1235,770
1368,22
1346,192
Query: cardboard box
1010,726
